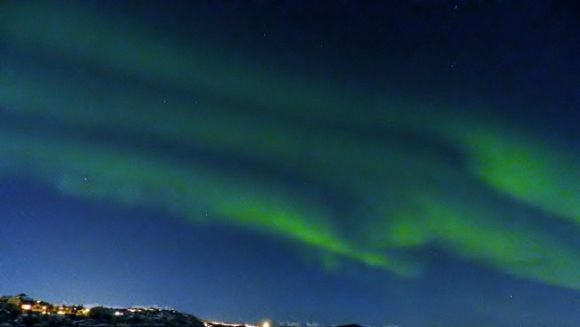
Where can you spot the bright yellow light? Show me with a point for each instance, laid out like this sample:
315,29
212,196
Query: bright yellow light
265,324
26,307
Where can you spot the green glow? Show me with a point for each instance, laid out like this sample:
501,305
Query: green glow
137,180
316,151
518,163
523,251
405,196
144,54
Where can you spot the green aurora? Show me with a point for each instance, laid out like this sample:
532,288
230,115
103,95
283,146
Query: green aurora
411,175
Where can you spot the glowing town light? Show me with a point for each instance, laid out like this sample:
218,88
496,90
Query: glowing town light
118,313
26,307
266,323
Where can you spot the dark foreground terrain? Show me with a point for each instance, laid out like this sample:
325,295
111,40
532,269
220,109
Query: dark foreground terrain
22,310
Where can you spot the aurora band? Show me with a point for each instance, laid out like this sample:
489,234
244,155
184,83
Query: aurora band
403,196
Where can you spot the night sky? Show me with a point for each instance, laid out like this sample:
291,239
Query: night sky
399,162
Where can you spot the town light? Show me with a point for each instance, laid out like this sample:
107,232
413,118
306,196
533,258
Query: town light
26,307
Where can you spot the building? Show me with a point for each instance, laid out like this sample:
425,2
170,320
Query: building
22,301
28,305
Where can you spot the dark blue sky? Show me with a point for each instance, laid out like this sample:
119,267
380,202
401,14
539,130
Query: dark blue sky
68,250
411,163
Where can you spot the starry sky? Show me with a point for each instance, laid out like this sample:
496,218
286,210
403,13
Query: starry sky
413,163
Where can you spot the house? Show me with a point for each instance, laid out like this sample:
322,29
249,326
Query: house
41,307
22,301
